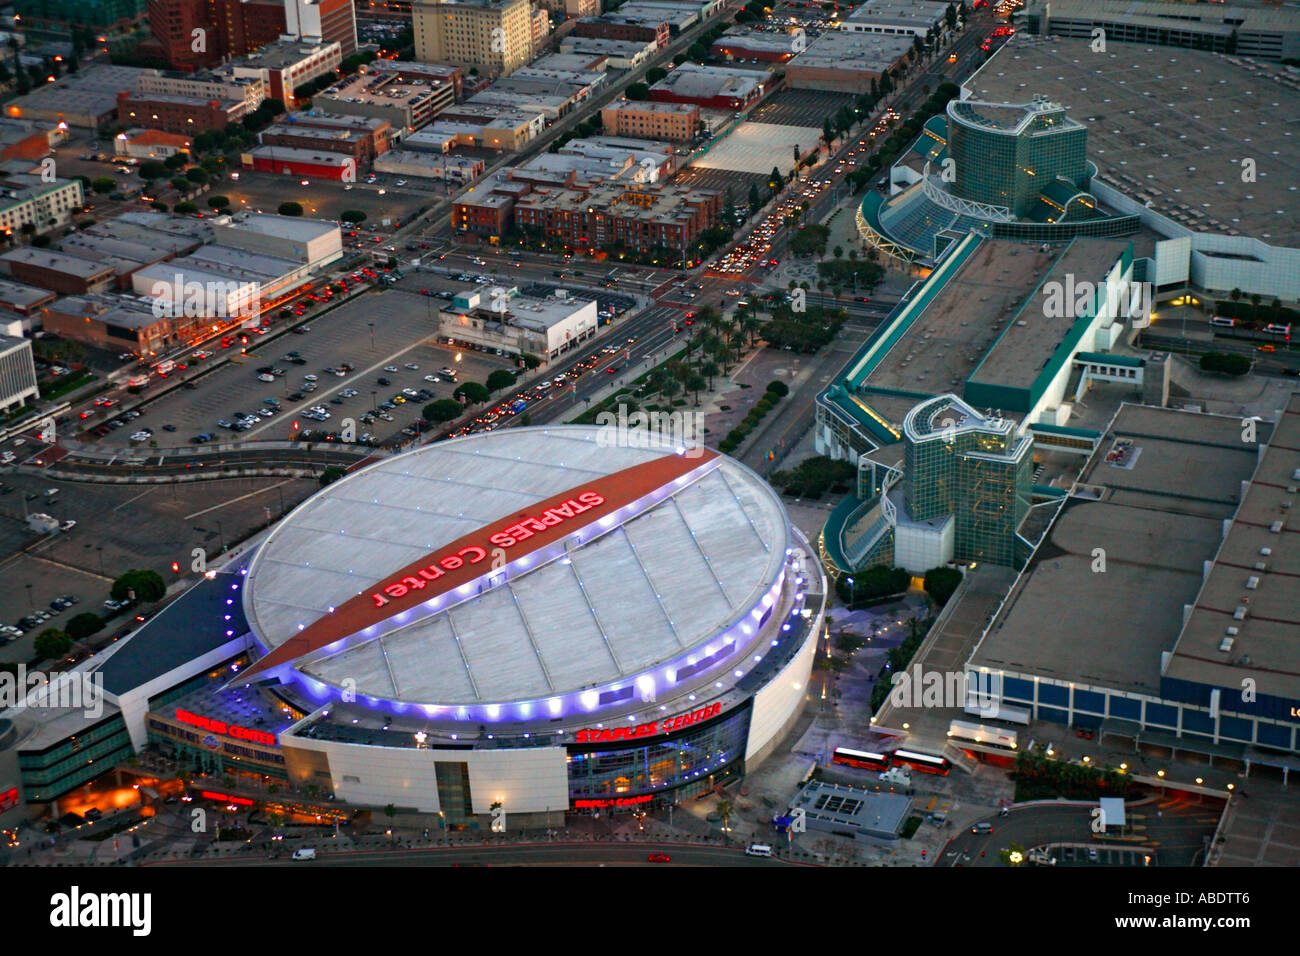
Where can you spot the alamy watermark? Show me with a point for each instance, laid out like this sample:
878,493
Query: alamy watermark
1072,299
230,299
620,428
73,690
957,690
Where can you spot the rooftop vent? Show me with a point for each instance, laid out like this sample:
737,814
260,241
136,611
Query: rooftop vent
1252,582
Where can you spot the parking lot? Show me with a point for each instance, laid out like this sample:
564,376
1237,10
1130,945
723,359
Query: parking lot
738,181
800,108
381,328
118,527
325,199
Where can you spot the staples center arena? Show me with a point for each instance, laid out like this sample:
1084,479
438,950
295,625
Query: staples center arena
535,618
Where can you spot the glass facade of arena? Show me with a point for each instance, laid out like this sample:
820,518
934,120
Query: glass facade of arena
73,761
686,763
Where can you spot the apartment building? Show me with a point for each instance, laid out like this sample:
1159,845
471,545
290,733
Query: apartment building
496,37
647,120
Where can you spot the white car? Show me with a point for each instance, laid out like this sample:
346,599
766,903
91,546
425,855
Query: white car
432,378
68,525
264,377
412,366
400,182
140,436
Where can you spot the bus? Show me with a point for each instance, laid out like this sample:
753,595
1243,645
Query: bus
982,734
1281,331
925,763
1223,322
862,759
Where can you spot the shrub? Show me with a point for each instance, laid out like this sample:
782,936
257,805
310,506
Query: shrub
941,582
52,642
332,474
84,625
443,410
146,585
778,388
499,379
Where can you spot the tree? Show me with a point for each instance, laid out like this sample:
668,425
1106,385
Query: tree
185,209
197,176
332,474
103,185
352,216
871,584
139,585
290,209
941,582
656,74
218,202
177,161
84,625
695,382
52,642
778,388
530,361
152,170
638,91
499,379
725,810
1229,363
443,410
472,392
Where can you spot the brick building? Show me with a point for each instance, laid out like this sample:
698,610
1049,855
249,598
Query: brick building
177,114
56,271
611,26
228,28
671,121
360,137
637,218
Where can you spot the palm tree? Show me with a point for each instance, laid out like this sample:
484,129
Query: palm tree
725,811
1254,301
709,369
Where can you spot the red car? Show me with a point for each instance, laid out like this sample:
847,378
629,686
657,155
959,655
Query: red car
659,858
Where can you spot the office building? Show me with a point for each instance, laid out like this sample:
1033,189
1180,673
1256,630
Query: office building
17,373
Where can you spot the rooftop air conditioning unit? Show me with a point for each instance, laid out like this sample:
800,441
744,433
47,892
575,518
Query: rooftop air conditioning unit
1252,582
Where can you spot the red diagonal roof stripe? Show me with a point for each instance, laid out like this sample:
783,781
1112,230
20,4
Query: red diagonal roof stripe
618,490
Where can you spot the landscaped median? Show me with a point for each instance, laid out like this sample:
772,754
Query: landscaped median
775,392
622,396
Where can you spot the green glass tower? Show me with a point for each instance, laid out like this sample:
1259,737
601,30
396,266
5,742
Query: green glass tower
1006,155
974,467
